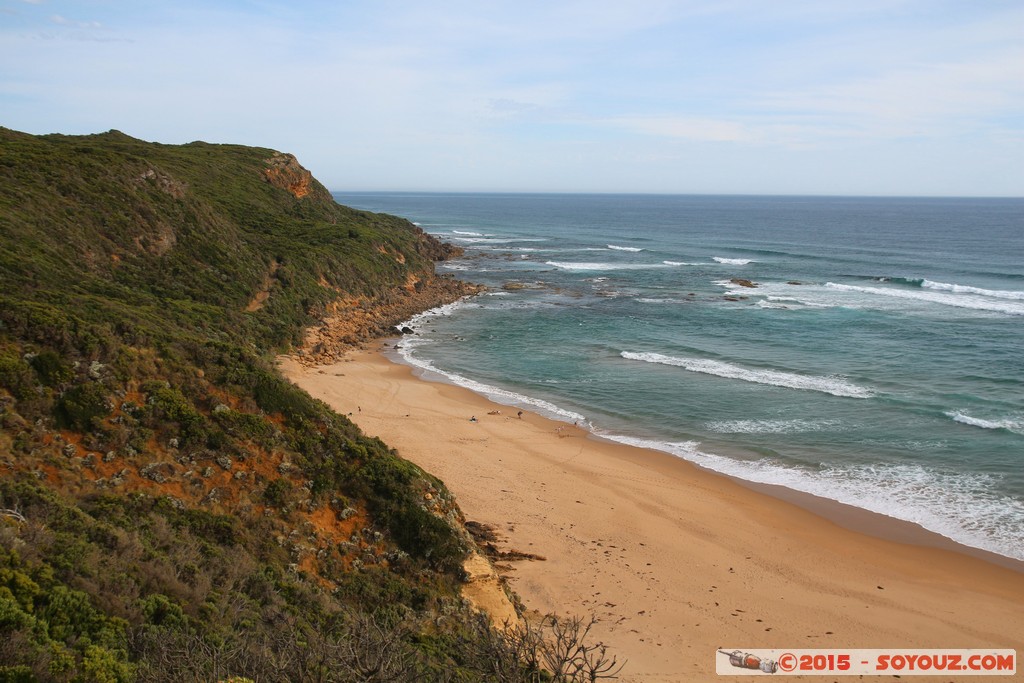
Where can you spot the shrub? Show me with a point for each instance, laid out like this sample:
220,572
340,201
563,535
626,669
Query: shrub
16,674
247,425
16,376
160,610
424,535
171,406
101,665
82,406
51,368
277,493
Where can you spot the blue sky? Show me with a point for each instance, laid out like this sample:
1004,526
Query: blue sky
901,97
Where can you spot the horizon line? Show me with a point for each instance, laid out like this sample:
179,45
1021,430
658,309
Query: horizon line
681,194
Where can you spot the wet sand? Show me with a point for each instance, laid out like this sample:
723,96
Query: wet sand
675,561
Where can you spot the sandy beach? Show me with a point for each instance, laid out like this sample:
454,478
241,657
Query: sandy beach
675,561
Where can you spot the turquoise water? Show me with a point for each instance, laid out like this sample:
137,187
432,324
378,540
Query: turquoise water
878,362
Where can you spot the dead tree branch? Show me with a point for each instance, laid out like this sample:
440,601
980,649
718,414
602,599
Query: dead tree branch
13,513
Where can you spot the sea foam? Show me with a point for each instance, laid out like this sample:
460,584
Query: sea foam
837,386
733,261
617,248
978,303
498,240
1010,424
563,265
795,426
651,300
967,289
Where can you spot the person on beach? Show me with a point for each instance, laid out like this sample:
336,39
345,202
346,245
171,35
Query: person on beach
520,415
472,419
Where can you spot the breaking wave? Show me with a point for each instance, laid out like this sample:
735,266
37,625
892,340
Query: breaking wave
603,266
954,288
498,240
1010,424
978,303
967,289
772,426
837,386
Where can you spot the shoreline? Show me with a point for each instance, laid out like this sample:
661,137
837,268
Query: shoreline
675,560
852,517
876,524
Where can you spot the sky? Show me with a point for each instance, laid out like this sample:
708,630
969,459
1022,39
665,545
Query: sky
850,97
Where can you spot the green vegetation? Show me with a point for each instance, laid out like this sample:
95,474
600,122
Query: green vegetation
170,507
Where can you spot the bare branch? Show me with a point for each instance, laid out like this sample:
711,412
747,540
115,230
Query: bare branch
14,514
569,657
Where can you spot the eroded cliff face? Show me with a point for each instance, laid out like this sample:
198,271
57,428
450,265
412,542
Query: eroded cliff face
285,171
351,322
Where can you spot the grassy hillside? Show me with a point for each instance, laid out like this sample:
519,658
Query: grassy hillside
170,508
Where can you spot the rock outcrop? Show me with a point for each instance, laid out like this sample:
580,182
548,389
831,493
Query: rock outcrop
285,171
351,322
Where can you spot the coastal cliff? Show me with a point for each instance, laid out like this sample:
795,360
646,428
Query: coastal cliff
170,507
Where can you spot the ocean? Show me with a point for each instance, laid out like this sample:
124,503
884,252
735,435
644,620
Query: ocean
878,360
